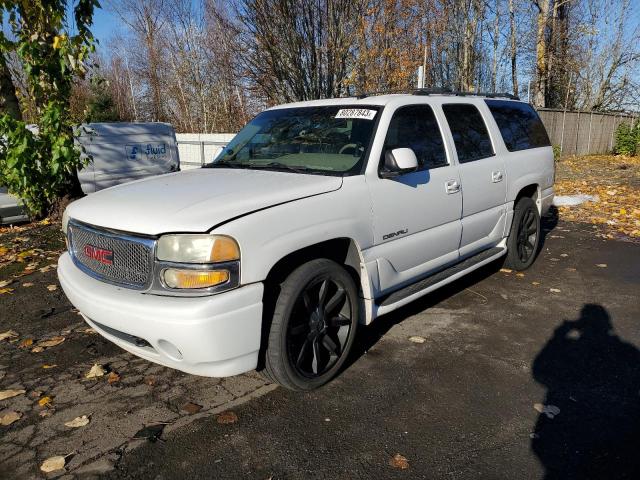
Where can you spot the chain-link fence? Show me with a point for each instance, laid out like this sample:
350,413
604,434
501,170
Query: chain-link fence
582,133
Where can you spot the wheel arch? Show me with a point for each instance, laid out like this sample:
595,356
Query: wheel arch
343,250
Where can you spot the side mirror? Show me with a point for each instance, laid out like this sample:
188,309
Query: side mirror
398,162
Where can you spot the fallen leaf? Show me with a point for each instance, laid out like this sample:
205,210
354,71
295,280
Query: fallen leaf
37,349
27,284
564,254
77,422
89,330
45,413
5,290
113,377
52,288
44,269
8,334
52,342
399,461
555,290
601,265
571,269
150,381
45,366
549,410
227,417
520,274
96,371
4,394
417,339
45,401
191,408
10,417
53,463
150,432
535,283
506,270
27,342
4,283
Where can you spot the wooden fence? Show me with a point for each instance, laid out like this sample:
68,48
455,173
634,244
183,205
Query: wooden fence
582,133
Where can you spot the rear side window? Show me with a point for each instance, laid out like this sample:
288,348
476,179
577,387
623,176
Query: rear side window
469,132
519,124
415,127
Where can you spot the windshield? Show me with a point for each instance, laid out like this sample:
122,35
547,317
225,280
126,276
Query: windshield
324,140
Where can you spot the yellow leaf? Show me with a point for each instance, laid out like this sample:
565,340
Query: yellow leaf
6,290
45,401
57,41
53,463
45,366
52,288
27,342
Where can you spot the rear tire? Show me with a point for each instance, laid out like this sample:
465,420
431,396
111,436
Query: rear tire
524,238
314,324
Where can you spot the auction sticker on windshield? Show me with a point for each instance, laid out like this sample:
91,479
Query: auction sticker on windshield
363,113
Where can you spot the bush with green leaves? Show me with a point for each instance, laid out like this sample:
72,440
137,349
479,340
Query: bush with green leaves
627,139
39,165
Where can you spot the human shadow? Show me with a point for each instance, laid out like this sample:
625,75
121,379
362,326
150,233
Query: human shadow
593,378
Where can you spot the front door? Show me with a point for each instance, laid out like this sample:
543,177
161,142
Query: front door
483,178
416,216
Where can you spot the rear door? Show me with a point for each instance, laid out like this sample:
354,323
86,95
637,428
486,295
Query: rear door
483,178
416,216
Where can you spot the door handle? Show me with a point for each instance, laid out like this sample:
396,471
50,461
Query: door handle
496,176
452,186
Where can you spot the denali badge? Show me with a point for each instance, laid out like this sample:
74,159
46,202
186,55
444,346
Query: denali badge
404,231
99,254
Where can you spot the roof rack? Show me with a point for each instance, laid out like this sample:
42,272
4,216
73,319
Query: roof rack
439,91
447,91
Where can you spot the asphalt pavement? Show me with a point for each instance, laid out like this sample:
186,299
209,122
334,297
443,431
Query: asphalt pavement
533,375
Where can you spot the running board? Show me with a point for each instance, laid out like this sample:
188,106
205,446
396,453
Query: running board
422,287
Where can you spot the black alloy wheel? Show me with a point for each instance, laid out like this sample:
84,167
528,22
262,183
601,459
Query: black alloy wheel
313,327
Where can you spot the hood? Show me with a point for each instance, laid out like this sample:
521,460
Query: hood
194,200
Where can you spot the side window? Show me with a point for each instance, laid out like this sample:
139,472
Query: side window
415,127
469,132
519,124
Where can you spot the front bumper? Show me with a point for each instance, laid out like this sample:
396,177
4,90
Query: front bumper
213,336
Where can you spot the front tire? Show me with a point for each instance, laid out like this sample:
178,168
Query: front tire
314,324
524,238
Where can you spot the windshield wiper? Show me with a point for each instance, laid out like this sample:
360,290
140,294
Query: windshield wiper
223,164
283,166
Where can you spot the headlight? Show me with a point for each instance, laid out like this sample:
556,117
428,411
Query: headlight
197,249
192,264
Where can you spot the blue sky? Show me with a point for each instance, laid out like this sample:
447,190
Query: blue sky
105,24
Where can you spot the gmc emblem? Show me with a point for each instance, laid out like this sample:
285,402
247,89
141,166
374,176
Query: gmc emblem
99,254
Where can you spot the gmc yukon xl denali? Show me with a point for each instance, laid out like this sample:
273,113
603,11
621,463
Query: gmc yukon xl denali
317,217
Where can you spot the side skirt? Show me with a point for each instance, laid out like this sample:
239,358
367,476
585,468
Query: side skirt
399,298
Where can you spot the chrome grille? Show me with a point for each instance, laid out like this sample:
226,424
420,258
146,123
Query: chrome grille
131,264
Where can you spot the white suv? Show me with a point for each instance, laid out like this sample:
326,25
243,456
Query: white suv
317,217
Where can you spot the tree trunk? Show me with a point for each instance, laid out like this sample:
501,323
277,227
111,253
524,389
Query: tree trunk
539,87
513,47
8,100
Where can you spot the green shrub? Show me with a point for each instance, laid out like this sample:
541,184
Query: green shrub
556,152
627,139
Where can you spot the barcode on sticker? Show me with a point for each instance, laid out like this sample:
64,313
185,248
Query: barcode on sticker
363,113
